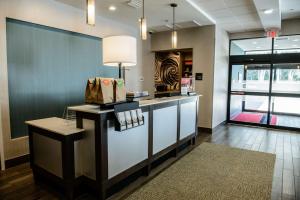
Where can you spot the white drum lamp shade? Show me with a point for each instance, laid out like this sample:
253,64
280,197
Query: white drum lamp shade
119,50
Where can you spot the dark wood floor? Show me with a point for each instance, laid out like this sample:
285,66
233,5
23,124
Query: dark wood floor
288,121
17,182
286,146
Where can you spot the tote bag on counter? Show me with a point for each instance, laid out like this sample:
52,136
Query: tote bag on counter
99,91
119,90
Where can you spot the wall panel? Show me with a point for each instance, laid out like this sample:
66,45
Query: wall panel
47,71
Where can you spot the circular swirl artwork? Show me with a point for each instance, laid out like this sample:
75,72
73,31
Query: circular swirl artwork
167,70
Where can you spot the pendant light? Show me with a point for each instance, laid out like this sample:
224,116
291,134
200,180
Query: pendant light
174,33
90,12
143,24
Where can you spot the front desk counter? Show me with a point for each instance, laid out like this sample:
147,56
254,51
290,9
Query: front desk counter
104,157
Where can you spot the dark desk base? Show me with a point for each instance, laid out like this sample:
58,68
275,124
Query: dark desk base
102,186
68,182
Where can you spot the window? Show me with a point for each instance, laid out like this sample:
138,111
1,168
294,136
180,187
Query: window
283,74
251,46
267,75
252,75
287,44
296,75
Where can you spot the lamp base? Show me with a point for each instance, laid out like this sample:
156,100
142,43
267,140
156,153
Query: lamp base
121,71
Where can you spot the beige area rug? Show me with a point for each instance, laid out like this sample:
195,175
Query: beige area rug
213,171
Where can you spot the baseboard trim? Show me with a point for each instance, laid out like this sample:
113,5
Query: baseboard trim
211,130
204,130
16,161
219,126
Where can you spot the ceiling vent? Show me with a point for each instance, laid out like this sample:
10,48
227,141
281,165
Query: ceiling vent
188,24
135,3
180,25
169,26
160,28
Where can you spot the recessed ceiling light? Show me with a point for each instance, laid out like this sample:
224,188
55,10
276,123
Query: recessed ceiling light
268,11
296,40
276,45
258,47
254,42
112,8
294,45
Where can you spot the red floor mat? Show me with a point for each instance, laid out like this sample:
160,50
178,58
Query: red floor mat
248,117
273,120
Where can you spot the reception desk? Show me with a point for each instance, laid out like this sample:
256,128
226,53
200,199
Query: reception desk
103,156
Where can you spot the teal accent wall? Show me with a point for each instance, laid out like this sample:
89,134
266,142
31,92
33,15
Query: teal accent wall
47,71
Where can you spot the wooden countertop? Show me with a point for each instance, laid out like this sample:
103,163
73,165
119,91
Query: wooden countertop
95,109
56,125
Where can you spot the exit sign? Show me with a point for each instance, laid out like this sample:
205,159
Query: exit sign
272,34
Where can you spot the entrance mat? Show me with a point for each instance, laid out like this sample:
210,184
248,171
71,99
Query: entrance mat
213,171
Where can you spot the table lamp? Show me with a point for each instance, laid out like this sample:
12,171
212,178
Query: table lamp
119,51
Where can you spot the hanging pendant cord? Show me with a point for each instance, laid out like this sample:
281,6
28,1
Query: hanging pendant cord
143,9
173,18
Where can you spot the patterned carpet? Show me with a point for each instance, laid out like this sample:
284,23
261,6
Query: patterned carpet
213,171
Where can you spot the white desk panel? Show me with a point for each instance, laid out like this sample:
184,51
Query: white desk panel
47,154
126,148
164,128
187,119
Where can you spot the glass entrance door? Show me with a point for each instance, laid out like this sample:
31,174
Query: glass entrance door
285,101
249,95
264,86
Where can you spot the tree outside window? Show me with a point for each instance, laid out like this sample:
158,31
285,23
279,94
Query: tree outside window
296,75
284,74
252,75
267,75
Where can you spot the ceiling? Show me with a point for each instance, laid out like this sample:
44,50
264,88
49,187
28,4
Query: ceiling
232,15
158,13
290,9
271,21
